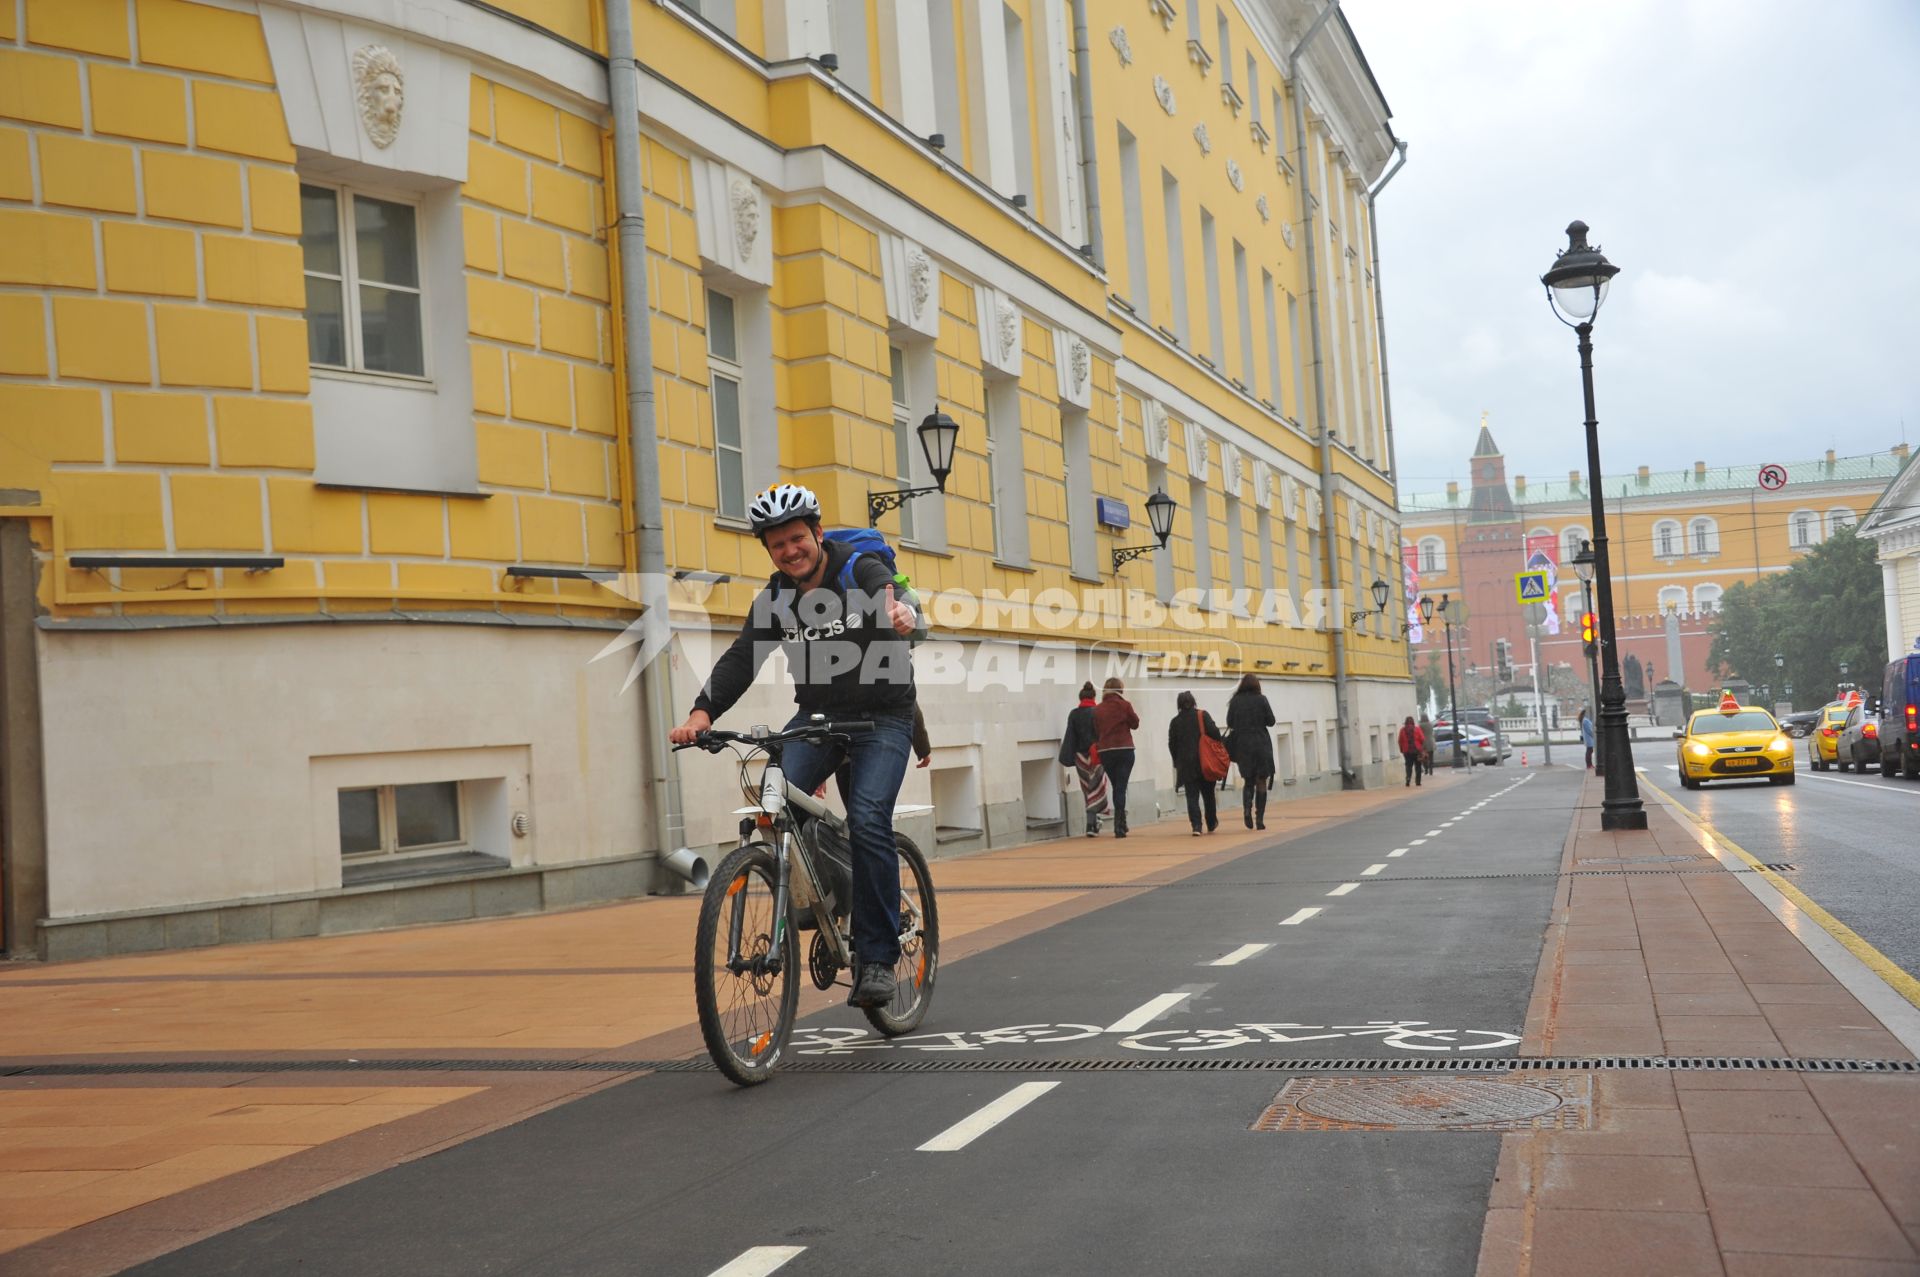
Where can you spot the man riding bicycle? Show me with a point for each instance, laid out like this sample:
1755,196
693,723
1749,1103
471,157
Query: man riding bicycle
845,635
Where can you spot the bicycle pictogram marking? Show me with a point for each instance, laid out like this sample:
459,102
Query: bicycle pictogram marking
1402,1035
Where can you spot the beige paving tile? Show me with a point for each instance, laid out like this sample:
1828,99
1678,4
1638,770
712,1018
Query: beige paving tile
1609,1183
1603,1243
1751,1113
1806,1221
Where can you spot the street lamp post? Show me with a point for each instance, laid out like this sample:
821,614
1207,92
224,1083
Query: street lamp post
1780,664
1576,284
938,433
1453,702
1583,566
1160,508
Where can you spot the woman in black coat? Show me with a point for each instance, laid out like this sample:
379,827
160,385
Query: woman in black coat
1249,715
1183,742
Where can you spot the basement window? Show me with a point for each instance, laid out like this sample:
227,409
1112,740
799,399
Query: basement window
398,820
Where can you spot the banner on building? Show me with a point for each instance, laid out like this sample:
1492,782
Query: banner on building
1410,567
1543,555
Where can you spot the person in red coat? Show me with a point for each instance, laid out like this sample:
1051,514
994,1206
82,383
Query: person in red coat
1114,722
1413,748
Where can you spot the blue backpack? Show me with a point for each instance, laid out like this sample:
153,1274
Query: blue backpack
870,541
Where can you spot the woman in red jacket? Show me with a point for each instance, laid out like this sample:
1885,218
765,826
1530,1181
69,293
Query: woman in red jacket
1113,724
1413,748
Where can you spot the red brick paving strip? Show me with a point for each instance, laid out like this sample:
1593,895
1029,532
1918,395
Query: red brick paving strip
1745,1173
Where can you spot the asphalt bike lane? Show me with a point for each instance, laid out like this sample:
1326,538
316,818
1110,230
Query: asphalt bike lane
1851,838
1041,1168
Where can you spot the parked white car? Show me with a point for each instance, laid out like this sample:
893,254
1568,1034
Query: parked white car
1479,746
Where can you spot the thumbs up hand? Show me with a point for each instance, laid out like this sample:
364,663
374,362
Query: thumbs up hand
899,614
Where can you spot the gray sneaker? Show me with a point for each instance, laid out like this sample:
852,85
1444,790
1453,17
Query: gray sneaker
874,987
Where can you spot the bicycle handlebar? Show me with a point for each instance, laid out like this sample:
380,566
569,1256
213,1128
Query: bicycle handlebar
714,739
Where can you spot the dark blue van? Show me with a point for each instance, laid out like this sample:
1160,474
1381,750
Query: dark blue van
1900,718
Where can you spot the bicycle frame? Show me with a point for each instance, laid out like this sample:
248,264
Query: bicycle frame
781,801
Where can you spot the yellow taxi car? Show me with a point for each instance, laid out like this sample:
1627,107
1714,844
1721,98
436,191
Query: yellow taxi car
1823,741
1733,742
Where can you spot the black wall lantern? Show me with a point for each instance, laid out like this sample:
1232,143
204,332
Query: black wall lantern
938,433
1160,508
1379,589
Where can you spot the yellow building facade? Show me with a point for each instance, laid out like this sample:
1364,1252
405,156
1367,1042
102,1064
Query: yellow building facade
322,515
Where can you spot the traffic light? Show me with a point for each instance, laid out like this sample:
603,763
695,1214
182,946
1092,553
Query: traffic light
1589,633
1503,660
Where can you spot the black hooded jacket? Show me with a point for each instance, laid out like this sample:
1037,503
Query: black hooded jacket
842,651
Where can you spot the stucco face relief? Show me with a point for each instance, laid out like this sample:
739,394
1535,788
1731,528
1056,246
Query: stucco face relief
1080,362
1009,321
1120,45
1163,91
919,280
379,86
746,216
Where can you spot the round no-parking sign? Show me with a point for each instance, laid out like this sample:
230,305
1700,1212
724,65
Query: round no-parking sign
1773,478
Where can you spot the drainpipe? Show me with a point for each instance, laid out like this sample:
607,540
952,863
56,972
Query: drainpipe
1380,335
650,558
1089,159
1348,780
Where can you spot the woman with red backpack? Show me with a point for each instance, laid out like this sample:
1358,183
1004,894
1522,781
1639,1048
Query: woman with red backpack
1413,748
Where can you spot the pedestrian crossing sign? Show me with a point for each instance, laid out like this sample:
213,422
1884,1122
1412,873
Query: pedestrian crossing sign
1530,587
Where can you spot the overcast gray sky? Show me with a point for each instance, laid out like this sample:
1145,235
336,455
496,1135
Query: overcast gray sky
1750,165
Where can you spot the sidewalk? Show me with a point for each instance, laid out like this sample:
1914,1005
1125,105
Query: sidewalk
98,1172
1735,1171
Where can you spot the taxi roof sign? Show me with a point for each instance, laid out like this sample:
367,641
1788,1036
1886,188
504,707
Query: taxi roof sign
1530,587
1728,705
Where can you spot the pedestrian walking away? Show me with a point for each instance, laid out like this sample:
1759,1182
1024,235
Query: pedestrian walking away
1426,730
851,660
1413,748
1186,737
1249,715
1079,750
1586,735
1114,723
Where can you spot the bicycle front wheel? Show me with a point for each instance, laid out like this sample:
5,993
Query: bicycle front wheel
919,946
744,968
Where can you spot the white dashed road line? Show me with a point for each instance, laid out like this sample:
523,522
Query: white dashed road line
758,1262
1140,1017
1299,916
1397,852
1343,889
1415,842
1240,955
969,1129
1371,870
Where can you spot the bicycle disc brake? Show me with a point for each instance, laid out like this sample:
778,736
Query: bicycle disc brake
820,963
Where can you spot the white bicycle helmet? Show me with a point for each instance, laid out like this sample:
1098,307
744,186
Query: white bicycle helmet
782,503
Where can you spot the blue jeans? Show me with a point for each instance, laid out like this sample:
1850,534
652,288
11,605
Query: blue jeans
877,763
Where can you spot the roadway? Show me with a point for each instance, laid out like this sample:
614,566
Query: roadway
1854,840
1411,933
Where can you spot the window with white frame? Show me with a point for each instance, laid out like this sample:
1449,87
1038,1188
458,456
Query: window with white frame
1006,467
1273,338
1236,547
719,12
1163,555
1253,85
1138,292
1077,449
1840,517
849,25
1248,377
729,432
905,441
1263,532
395,820
1673,599
1202,540
1433,556
949,105
1804,529
1224,34
1026,180
1573,605
1293,343
1290,563
1210,267
1703,537
1570,542
365,308
1176,255
1666,539
1706,599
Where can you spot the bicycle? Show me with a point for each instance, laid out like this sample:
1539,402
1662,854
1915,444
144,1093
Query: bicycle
746,947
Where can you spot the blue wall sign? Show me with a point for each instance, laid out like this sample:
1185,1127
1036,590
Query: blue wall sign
1112,513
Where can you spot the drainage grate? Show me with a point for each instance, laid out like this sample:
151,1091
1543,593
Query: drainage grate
1451,1104
875,1064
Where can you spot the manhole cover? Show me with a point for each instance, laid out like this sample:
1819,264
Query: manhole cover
1429,1103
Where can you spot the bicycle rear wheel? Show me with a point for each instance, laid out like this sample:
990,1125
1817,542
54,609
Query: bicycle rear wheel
919,946
744,968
